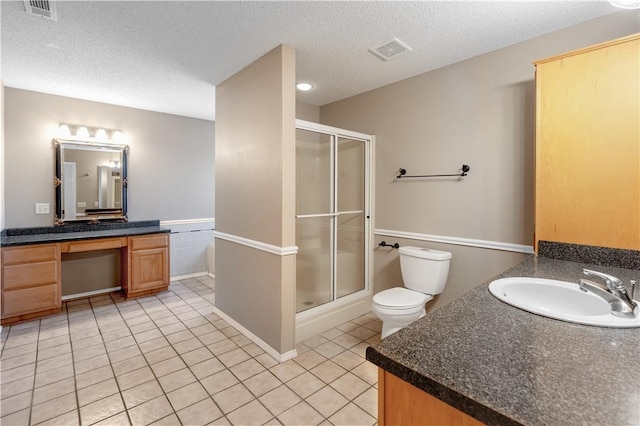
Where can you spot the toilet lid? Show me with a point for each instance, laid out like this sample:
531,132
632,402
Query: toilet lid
400,298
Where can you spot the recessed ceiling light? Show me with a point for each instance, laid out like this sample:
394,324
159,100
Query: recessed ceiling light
304,87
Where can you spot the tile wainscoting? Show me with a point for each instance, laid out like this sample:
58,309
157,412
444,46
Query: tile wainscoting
189,242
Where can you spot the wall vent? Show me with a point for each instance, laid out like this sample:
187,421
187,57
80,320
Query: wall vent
41,8
390,49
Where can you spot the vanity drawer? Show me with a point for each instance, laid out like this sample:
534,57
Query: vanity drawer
91,245
30,275
28,300
30,254
149,242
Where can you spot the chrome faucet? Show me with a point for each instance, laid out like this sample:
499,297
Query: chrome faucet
614,292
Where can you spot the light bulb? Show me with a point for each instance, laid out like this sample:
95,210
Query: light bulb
82,132
117,136
63,131
101,134
304,87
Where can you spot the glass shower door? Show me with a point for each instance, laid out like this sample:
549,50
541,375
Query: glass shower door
330,217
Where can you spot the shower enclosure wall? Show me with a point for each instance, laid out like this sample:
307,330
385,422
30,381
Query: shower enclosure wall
333,226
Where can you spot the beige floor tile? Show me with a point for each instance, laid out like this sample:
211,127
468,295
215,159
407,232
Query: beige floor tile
170,420
348,360
71,418
187,395
347,326
310,359
18,373
13,342
147,335
253,349
16,403
287,370
352,415
279,400
222,346
232,398
127,365
101,409
18,418
266,360
124,355
121,419
187,345
247,369
16,387
327,401
218,382
150,411
168,366
141,394
154,344
94,376
54,375
300,414
87,365
135,378
179,336
350,385
59,340
201,413
346,340
164,318
160,354
211,338
360,349
18,361
368,401
97,391
171,325
115,334
195,356
362,333
176,380
203,329
53,408
53,390
8,353
305,384
206,368
86,341
367,372
252,413
332,333
88,352
240,340
120,343
328,371
329,349
314,341
262,383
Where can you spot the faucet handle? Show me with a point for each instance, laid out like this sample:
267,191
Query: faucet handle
609,280
633,288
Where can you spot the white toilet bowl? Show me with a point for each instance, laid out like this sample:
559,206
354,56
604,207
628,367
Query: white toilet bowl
398,307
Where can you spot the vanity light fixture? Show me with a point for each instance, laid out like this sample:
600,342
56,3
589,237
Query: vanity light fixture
304,86
89,134
113,164
626,4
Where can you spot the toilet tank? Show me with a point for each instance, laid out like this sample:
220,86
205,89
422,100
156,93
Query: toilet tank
424,270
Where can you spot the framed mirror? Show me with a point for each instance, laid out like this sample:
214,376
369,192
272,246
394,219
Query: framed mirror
90,181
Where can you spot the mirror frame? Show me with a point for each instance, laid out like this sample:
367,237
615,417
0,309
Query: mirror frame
57,180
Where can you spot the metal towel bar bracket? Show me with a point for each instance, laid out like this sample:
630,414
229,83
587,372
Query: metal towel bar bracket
385,244
402,173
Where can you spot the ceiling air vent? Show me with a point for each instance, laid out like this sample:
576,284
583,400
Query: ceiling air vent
41,8
390,49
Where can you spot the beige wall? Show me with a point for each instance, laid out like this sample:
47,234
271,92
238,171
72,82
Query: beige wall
307,112
171,161
255,183
478,112
2,199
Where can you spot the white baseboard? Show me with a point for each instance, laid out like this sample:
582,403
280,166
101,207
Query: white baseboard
184,277
255,339
90,293
212,275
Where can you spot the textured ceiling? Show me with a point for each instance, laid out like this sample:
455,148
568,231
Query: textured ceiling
168,56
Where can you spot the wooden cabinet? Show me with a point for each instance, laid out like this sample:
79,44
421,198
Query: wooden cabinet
31,282
401,403
588,146
147,265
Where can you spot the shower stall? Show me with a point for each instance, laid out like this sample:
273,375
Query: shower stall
333,226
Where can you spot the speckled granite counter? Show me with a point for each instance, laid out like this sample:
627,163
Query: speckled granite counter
28,236
503,365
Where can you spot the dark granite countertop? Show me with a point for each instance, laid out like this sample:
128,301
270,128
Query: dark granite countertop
28,236
503,365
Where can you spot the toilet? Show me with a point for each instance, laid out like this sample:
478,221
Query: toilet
424,272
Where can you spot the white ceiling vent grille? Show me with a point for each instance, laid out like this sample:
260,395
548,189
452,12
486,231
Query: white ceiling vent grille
41,8
390,49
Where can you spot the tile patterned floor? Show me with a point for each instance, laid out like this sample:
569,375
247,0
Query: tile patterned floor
169,360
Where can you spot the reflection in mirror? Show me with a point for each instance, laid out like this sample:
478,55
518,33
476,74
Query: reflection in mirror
90,182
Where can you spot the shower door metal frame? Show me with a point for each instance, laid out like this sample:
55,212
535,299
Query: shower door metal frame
368,141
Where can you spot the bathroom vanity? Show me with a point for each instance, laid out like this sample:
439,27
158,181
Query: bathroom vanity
32,262
479,360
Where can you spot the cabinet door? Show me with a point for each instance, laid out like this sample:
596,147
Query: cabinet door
149,269
588,146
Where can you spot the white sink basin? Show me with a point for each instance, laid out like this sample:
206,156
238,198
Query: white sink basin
559,300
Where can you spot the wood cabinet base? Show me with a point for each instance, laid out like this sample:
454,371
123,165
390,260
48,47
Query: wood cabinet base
400,403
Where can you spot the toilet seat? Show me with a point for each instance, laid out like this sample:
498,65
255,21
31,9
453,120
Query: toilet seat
400,298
